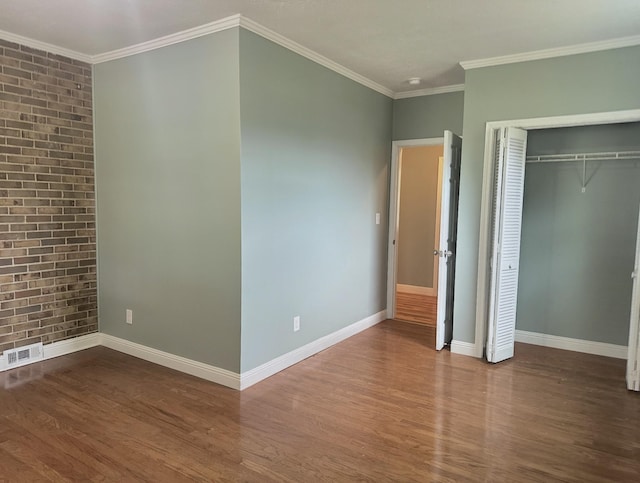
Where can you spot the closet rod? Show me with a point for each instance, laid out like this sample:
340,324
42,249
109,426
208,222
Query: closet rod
559,158
584,157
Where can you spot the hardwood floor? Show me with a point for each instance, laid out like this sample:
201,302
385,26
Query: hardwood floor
416,308
380,406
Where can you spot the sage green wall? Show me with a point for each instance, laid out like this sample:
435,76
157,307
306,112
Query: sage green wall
315,156
585,139
417,226
168,188
578,249
427,116
578,84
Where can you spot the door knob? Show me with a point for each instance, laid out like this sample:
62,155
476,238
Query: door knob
448,253
436,253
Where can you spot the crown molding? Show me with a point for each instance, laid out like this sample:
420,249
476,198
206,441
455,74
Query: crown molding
550,53
218,26
36,44
192,33
248,24
430,91
275,37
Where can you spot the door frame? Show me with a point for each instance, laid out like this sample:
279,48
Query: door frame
394,211
484,244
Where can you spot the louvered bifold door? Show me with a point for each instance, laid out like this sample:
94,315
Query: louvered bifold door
633,358
507,226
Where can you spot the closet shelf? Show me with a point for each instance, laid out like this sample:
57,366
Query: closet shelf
558,158
584,157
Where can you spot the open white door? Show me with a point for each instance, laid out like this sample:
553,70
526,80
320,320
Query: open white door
448,237
511,150
633,358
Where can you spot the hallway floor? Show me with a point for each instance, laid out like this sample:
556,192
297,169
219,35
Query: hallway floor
417,308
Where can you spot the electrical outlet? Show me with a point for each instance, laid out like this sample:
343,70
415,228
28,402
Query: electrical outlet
129,316
296,323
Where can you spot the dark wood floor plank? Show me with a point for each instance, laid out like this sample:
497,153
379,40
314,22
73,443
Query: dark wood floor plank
380,406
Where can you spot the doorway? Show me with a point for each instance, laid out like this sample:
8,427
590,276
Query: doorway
501,267
423,212
420,191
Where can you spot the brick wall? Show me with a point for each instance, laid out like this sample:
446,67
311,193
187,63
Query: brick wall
47,202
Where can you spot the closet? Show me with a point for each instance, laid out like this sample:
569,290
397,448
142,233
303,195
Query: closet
578,238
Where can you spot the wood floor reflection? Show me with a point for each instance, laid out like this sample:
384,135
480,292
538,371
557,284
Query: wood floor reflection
417,308
379,406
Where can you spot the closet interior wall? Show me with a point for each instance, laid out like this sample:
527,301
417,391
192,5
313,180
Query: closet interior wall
578,248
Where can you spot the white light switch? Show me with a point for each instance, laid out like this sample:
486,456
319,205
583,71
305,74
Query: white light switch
129,316
377,218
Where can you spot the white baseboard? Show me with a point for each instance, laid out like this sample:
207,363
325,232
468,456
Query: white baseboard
182,364
463,348
69,346
62,348
253,376
206,371
576,345
415,289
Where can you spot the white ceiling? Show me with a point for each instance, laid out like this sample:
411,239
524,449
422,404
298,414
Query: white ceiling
387,41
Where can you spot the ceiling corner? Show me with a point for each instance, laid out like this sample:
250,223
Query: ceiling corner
430,91
192,33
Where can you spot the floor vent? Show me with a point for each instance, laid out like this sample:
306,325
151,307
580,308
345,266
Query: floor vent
23,355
